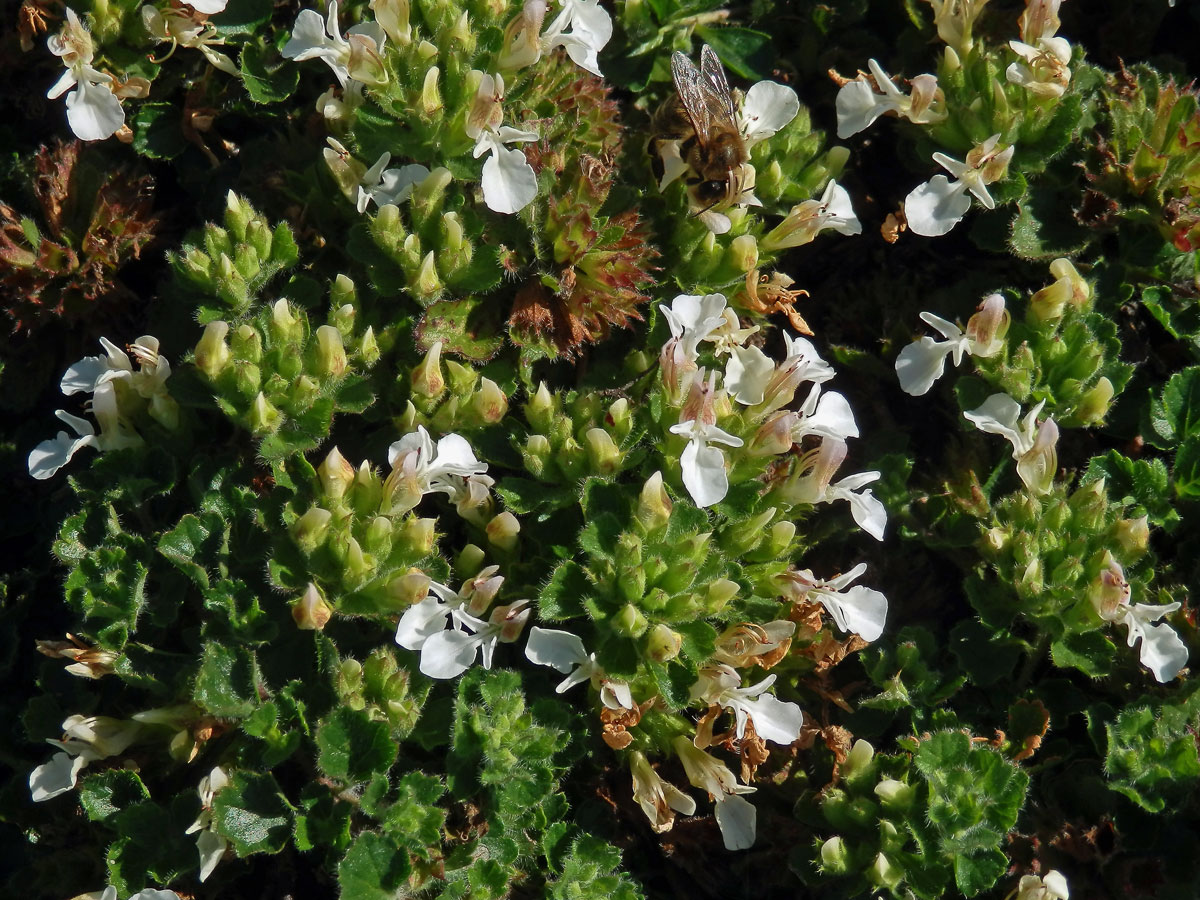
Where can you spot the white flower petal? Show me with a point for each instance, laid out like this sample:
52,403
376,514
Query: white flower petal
920,364
211,847
767,108
55,777
860,610
1163,652
448,654
704,476
858,106
1000,414
775,720
421,622
747,374
208,7
833,418
560,650
737,818
838,210
94,112
935,207
509,182
308,38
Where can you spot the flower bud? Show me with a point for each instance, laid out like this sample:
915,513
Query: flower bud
858,759
264,417
1039,465
774,436
988,327
630,622
431,97
1110,592
662,644
1133,535
654,505
502,532
884,874
238,215
719,593
410,588
212,353
1088,504
260,239
743,253
311,612
541,409
1094,404
427,378
469,561
392,16
488,404
896,796
619,418
835,860
246,344
247,378
536,454
780,537
378,538
310,529
304,391
336,474
603,453
417,536
426,50
368,348
331,352
285,327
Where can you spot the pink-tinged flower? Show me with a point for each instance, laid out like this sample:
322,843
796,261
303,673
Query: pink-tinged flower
1035,447
812,482
774,720
808,219
564,651
659,799
922,362
702,466
358,56
861,101
1162,651
938,205
736,816
855,609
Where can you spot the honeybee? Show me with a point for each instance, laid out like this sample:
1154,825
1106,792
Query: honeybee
702,118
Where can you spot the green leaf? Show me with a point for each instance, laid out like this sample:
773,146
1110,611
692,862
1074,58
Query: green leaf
374,868
1044,227
1090,652
1140,481
978,872
1186,471
562,597
158,131
151,847
1176,414
469,327
413,818
1151,755
252,814
746,53
322,820
268,78
194,541
105,794
353,747
227,683
243,16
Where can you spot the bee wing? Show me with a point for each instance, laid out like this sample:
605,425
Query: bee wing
714,74
707,109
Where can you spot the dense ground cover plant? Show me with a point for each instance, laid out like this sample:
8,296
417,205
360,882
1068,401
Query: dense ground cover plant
432,474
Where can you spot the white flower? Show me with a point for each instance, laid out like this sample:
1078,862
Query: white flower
378,184
93,110
1040,20
209,844
861,101
746,644
1043,69
955,20
590,29
659,799
430,616
358,55
418,468
922,362
148,380
447,654
774,720
209,7
1034,446
810,218
702,466
811,483
938,205
1053,886
564,651
509,182
855,609
824,415
85,739
735,814
747,374
693,319
766,109
1162,651
49,456
110,893
184,30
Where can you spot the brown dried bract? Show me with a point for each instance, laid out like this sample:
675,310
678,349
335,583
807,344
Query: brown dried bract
773,294
616,723
894,225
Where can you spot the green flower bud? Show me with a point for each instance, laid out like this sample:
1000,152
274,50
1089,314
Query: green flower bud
655,600
378,539
884,874
572,459
238,215
427,378
264,417
896,796
462,379
246,344
309,531
654,505
743,253
342,319
469,561
343,292
409,589
619,418
429,194
260,239
331,352
311,612
541,409
431,97
350,678
304,392
1089,504
719,593
368,349
502,532
858,759
417,536
247,378
1093,406
662,644
212,353
285,327
632,583
536,454
603,453
387,229
216,241
834,858
630,622
1133,535
336,474
246,262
